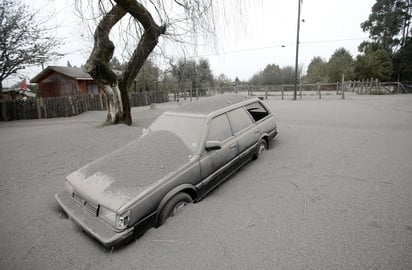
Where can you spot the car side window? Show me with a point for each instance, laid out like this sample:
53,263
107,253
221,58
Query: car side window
239,119
257,111
219,129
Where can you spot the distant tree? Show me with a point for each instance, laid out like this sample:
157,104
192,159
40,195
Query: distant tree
272,74
287,75
24,39
148,77
388,25
317,71
402,67
222,80
168,81
68,64
190,74
257,79
204,74
373,64
177,71
115,64
340,63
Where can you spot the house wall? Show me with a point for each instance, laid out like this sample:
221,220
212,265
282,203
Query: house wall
82,87
57,85
88,87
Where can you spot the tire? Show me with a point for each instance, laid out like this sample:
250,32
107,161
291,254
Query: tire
173,205
262,147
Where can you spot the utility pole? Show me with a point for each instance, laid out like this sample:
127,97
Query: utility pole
297,53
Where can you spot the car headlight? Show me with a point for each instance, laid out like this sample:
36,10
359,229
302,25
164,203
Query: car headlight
120,222
68,187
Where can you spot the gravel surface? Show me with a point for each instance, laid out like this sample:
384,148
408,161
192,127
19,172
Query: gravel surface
334,191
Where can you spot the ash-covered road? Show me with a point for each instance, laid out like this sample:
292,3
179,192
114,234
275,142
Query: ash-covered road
333,192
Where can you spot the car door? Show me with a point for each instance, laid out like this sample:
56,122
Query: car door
246,132
216,165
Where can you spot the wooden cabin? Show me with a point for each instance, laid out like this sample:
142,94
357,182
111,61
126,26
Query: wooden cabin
60,81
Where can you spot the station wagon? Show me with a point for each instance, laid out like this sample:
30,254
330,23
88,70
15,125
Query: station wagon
183,155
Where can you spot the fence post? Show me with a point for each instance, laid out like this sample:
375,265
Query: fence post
266,92
378,83
320,94
283,89
197,94
38,108
360,87
337,88
343,86
300,90
371,86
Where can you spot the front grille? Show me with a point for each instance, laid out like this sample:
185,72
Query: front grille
91,207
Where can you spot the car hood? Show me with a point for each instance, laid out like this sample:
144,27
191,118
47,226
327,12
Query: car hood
118,177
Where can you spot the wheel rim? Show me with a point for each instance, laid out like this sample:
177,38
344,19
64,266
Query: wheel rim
178,207
262,148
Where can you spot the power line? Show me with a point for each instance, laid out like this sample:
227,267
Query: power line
333,40
279,46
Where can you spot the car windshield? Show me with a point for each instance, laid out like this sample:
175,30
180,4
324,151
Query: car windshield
190,128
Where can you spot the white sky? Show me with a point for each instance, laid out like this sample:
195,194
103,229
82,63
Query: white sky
247,42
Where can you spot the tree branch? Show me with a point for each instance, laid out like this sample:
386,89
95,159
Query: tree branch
98,63
147,42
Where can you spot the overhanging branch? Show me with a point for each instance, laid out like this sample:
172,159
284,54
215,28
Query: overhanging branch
148,41
98,63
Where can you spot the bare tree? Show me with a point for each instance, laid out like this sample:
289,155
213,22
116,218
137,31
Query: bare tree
24,39
193,16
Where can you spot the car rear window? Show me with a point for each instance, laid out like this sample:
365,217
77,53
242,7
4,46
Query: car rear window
257,111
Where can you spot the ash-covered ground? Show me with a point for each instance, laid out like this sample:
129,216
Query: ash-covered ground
334,191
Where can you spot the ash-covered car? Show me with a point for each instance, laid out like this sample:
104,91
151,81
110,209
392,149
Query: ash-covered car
182,156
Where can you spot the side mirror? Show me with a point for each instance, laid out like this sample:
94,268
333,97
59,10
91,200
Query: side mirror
213,145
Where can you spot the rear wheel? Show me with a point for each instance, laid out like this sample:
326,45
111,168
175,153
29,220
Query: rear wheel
173,206
262,147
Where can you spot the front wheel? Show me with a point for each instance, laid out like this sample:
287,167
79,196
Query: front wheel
173,206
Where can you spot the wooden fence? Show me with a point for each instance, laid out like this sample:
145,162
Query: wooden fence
69,106
368,87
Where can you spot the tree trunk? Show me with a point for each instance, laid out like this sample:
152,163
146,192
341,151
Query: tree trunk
97,65
114,104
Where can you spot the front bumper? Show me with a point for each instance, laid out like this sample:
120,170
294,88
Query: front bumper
89,223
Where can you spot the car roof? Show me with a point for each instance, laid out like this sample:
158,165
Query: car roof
215,104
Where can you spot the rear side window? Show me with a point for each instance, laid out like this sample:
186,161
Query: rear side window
257,111
219,129
239,119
